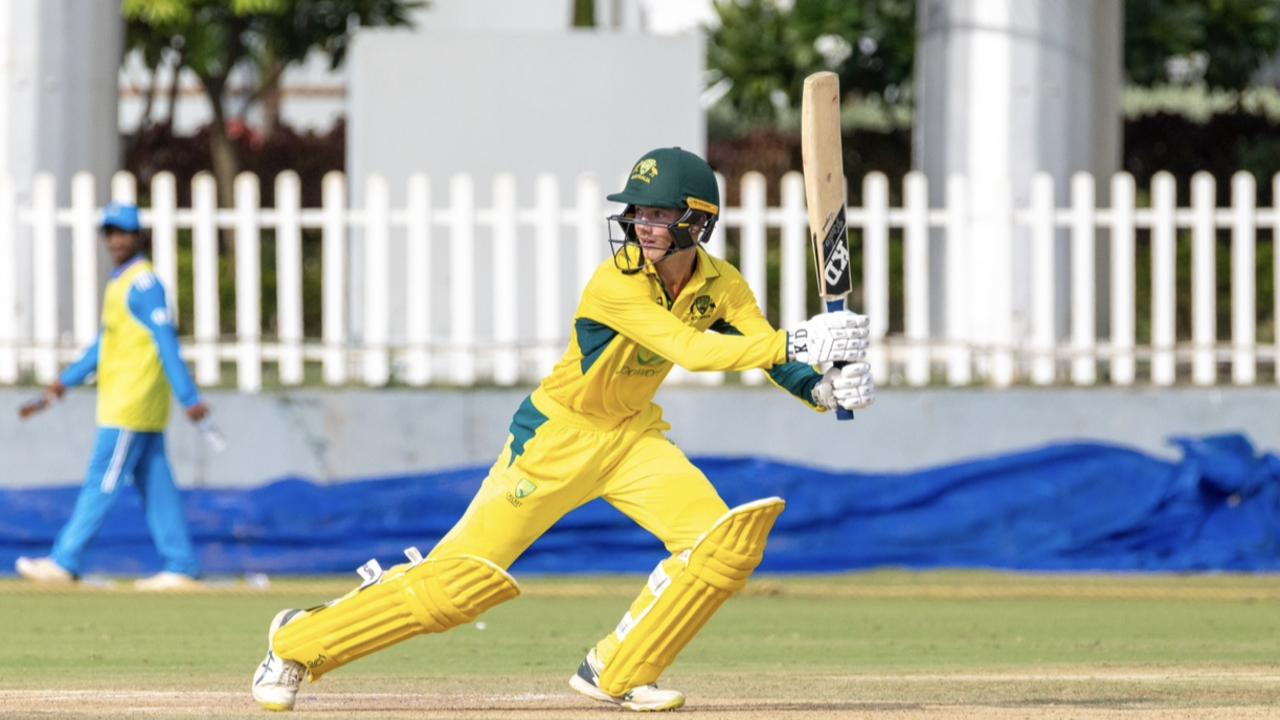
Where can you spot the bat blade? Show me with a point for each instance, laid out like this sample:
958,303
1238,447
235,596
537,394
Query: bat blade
824,187
824,191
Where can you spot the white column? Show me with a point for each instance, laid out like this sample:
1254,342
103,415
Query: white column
58,93
1006,89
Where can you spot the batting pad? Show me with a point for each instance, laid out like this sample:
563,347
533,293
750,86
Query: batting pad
718,566
429,596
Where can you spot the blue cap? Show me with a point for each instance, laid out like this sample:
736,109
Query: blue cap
122,216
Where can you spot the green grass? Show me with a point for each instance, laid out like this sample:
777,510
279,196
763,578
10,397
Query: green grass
874,625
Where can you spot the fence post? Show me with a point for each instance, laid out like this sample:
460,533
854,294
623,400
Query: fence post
204,260
418,281
1163,269
164,236
1244,316
875,268
589,218
1043,280
45,275
462,279
248,259
84,259
1122,279
8,279
959,362
506,306
1204,285
289,277
1084,333
795,241
333,299
376,236
753,248
1275,271
547,259
916,291
124,187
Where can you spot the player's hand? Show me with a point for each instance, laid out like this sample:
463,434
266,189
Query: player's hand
51,394
850,387
838,337
197,412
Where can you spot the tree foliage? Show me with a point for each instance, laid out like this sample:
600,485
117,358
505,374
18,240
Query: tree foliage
258,39
761,50
1221,43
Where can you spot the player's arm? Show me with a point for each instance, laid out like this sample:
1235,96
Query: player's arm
148,306
79,371
626,308
743,317
850,387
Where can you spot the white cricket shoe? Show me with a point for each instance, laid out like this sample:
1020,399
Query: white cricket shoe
166,582
645,698
43,570
276,683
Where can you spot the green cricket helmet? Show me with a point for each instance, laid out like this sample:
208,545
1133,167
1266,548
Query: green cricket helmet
666,178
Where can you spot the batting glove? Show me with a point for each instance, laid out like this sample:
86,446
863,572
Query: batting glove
829,338
845,388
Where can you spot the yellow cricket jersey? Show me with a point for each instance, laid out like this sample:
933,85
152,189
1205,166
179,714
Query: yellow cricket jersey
132,390
136,355
627,335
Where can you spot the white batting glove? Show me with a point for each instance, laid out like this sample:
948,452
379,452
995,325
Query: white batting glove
829,338
845,388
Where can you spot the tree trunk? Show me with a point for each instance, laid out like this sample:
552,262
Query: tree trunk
222,153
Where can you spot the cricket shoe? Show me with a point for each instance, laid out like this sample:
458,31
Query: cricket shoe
43,570
644,698
276,683
166,582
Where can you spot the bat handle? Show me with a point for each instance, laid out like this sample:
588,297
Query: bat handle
837,305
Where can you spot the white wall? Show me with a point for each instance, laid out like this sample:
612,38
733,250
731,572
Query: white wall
483,102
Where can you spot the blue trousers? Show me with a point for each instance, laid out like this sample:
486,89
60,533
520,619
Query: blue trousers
121,456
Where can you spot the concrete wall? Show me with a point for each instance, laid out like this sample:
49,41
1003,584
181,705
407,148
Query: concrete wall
340,435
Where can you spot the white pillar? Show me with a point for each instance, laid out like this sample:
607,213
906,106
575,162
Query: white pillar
1006,89
58,90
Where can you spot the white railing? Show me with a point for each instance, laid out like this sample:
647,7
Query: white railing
456,293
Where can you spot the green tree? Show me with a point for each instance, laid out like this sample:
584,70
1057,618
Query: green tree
1220,42
216,38
761,50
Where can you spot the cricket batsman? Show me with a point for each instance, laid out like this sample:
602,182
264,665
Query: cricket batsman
136,360
591,430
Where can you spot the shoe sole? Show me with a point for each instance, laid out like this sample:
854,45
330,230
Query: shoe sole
587,689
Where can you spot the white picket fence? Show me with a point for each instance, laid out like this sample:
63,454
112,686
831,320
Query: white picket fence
982,338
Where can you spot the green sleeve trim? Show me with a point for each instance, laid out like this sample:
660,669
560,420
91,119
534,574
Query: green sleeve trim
796,378
593,340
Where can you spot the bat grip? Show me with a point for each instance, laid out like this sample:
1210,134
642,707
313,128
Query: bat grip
837,305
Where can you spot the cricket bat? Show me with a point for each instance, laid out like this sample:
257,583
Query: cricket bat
824,191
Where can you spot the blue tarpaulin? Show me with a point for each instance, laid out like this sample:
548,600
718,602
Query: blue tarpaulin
1080,506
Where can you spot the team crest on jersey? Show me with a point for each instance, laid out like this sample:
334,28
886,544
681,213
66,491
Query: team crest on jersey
645,356
523,489
703,305
645,171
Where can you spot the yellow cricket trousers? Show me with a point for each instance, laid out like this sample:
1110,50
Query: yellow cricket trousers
556,460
